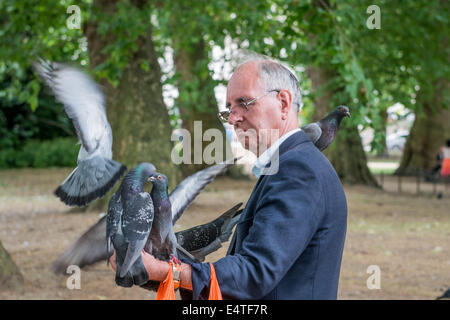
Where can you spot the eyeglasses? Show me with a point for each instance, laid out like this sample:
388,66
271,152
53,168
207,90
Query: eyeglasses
243,106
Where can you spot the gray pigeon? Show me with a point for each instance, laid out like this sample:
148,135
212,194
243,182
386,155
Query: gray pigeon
161,242
84,103
129,221
91,247
323,132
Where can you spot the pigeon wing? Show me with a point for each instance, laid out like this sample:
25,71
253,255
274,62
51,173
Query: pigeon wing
183,195
313,131
201,236
89,248
137,220
115,211
83,102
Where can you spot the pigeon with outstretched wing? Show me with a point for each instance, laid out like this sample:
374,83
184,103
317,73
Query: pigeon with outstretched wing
96,173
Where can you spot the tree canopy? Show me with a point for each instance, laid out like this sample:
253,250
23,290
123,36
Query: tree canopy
404,60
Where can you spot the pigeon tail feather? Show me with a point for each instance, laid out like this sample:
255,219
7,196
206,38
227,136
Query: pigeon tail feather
92,179
201,254
127,281
134,252
228,225
139,273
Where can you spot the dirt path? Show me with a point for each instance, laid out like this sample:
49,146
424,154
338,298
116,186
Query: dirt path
406,236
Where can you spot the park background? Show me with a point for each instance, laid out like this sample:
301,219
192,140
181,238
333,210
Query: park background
164,64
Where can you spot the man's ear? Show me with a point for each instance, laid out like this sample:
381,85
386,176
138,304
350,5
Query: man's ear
285,97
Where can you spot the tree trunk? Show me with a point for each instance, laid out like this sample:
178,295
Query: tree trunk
136,110
196,100
10,276
383,151
429,132
346,153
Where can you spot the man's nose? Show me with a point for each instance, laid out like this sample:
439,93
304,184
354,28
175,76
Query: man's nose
234,117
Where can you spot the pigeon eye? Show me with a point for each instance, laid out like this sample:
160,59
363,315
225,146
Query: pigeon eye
159,177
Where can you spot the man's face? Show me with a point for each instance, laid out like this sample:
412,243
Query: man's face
252,126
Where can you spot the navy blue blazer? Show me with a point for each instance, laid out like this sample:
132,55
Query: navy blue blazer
289,241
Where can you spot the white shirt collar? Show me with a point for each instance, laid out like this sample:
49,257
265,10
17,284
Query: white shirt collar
265,157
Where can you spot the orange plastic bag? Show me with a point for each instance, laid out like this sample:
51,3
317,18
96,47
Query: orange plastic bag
214,291
166,290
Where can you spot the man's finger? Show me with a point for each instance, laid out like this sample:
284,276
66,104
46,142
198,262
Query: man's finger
112,260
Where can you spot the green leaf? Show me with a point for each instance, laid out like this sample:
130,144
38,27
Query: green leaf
145,66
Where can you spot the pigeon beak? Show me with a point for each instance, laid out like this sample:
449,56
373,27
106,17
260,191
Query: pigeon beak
151,179
347,114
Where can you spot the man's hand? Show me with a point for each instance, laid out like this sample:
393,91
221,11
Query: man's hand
112,260
157,270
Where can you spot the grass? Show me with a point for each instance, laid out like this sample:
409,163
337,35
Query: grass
385,171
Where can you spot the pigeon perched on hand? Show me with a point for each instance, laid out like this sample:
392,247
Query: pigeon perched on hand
129,223
84,103
323,132
161,242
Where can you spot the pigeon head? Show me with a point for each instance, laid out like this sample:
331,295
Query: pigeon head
141,173
159,181
145,170
343,111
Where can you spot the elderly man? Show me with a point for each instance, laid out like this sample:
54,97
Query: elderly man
289,241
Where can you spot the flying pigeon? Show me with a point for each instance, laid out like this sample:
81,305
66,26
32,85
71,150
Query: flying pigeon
323,132
84,103
204,239
128,224
91,247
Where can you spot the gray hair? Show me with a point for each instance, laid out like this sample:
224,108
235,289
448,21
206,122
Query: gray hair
274,75
277,76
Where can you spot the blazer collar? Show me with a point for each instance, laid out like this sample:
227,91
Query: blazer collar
293,141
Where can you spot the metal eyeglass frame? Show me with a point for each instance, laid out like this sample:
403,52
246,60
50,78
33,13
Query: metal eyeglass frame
225,115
